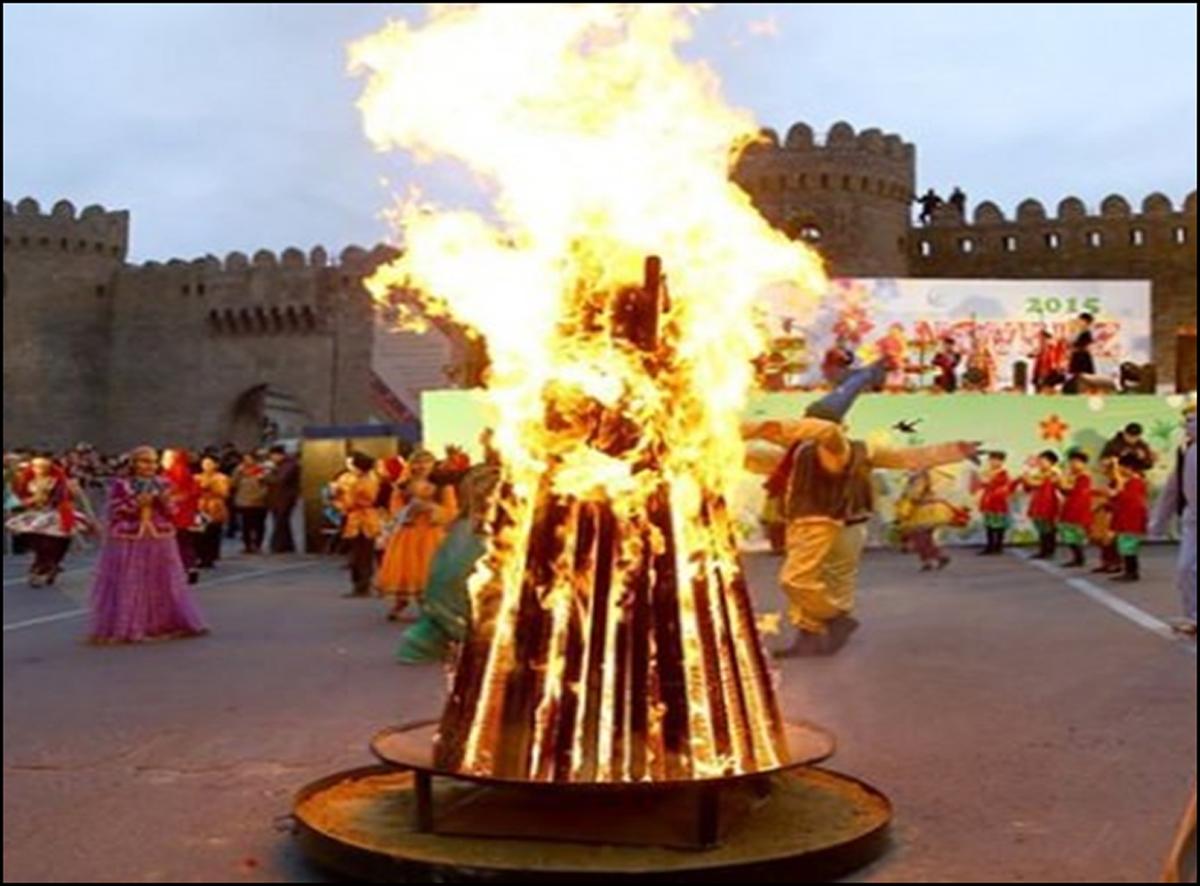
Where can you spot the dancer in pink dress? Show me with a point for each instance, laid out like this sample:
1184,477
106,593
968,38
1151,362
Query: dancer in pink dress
140,592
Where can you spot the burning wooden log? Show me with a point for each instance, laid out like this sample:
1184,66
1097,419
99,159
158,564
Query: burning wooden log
610,644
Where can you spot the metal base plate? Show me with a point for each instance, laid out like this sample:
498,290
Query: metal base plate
813,825
411,747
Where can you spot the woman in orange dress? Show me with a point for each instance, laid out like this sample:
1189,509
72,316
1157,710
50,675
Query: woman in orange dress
422,510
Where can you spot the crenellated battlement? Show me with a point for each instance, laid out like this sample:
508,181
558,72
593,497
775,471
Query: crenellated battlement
95,231
1155,208
354,260
1072,230
871,164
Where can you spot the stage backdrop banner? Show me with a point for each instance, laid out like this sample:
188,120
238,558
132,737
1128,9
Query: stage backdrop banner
909,316
1020,425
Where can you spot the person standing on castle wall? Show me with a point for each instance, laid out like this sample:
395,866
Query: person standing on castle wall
53,510
283,491
250,500
958,201
1076,517
1178,501
356,496
929,202
140,591
213,505
185,507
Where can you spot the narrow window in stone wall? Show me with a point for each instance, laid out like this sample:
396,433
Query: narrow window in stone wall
44,241
186,289
824,179
845,182
1095,239
966,245
101,291
802,180
201,289
1052,240
1179,235
866,184
926,249
63,244
1010,243
1137,237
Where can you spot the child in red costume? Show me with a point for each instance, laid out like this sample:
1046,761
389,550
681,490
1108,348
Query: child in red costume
995,490
1076,516
1042,485
1130,514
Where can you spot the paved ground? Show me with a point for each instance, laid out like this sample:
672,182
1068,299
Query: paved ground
1023,730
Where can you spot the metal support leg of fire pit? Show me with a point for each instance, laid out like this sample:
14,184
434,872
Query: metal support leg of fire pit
423,809
708,816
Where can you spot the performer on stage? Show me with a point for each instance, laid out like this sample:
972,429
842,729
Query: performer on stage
213,506
414,533
140,591
838,361
446,605
1082,363
1076,518
1178,500
1042,486
995,492
946,362
53,509
1131,515
1049,362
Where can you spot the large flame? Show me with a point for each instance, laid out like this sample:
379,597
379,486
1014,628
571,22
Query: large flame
597,146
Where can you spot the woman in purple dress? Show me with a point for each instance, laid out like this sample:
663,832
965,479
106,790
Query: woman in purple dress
141,591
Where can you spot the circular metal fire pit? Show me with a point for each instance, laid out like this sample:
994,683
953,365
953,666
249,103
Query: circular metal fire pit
408,821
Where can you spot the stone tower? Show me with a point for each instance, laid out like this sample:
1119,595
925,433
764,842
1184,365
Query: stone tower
849,194
185,353
60,272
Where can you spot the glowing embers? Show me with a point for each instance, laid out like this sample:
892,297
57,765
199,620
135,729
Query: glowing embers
620,651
